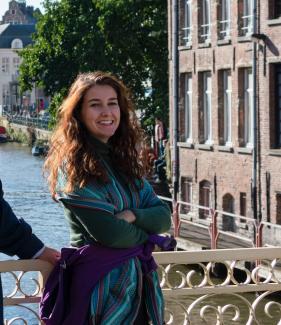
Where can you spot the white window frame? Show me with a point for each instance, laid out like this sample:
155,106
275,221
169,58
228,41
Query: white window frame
16,63
205,34
227,94
188,107
5,94
247,18
225,19
248,107
207,107
187,30
5,64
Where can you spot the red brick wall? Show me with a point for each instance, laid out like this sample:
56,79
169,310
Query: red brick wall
232,169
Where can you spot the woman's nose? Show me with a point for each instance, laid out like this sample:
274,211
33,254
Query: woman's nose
106,110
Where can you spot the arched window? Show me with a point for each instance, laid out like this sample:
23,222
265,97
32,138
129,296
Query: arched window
228,222
17,44
204,198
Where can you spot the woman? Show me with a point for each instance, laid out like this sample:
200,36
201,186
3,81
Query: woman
95,172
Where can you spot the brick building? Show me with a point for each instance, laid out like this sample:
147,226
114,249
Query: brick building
215,109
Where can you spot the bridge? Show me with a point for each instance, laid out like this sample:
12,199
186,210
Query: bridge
192,294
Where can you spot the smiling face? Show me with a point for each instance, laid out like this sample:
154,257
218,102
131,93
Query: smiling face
101,112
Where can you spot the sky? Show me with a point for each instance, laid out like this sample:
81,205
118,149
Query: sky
4,5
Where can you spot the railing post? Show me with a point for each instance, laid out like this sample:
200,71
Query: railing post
213,229
176,218
259,234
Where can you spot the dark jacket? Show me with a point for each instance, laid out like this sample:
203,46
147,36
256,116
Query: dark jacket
16,238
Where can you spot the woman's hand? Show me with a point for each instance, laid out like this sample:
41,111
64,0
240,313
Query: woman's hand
49,255
126,215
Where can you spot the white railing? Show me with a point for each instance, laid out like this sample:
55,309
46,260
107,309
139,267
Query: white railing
27,288
192,293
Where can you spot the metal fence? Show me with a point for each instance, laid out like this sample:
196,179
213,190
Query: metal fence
251,232
36,122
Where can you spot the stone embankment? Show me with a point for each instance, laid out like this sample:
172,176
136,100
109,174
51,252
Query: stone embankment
24,133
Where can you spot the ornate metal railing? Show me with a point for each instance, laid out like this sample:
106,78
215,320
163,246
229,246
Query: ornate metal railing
247,290
224,226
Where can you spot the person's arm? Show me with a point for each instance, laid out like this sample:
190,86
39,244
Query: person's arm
16,237
153,215
104,227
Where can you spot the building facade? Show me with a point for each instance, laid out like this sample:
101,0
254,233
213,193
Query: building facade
216,107
18,24
19,13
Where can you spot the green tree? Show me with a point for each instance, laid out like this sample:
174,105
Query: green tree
126,37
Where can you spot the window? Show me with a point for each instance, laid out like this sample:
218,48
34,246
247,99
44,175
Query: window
204,18
274,7
13,12
228,222
187,29
278,208
205,118
204,198
5,64
16,63
17,44
224,19
246,17
188,107
243,206
186,194
224,107
277,9
246,108
5,95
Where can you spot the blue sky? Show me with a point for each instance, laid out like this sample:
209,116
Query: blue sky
4,5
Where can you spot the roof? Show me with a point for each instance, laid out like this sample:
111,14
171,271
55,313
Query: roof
8,32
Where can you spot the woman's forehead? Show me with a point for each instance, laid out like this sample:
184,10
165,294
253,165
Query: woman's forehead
100,91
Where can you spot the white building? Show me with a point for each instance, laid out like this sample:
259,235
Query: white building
16,29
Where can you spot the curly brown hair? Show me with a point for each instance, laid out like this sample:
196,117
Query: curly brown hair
71,148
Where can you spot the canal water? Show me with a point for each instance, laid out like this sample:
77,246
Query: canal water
27,192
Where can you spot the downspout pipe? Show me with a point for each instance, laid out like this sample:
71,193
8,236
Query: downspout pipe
254,155
175,86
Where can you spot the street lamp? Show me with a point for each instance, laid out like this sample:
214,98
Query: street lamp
256,37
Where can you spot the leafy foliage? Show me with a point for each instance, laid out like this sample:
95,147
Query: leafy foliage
125,37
